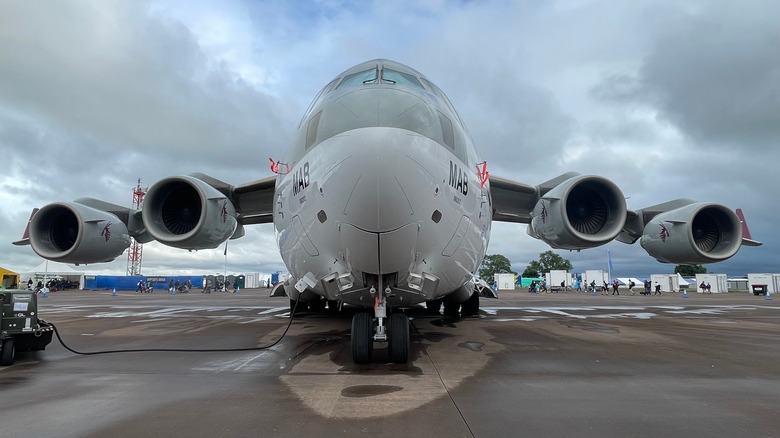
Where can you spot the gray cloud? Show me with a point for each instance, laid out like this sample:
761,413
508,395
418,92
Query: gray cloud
714,72
669,100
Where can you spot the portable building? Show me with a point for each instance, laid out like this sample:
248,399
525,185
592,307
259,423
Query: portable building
504,281
668,282
771,280
718,283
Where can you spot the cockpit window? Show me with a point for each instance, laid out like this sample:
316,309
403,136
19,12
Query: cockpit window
359,78
399,78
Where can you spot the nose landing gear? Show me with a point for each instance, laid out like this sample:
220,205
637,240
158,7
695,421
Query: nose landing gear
366,330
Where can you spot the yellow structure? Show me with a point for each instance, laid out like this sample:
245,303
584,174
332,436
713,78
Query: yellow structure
10,278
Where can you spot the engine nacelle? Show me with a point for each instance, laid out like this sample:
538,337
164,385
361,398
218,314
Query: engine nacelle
185,212
69,232
696,233
582,212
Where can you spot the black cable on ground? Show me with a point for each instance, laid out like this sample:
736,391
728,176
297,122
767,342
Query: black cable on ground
178,350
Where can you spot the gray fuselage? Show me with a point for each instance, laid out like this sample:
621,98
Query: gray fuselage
381,188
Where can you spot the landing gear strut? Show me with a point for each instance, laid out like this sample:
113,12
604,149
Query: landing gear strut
394,330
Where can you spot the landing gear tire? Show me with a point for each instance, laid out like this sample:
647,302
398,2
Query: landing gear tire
398,346
434,306
451,309
302,306
470,307
317,305
362,337
8,352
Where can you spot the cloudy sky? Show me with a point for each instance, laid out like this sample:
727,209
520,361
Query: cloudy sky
668,99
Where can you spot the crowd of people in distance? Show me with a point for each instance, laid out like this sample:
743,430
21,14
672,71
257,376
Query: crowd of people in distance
52,285
592,287
221,286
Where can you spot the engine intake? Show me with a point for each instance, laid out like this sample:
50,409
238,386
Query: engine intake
696,233
186,212
70,232
581,212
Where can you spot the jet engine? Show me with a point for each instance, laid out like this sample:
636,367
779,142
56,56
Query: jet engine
70,232
581,212
186,212
696,233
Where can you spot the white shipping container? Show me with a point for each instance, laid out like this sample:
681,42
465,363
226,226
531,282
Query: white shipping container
718,283
771,280
556,277
505,281
250,280
596,275
256,279
668,282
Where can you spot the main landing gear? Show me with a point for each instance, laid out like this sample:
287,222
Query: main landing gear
367,329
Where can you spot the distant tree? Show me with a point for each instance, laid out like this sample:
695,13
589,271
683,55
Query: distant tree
531,271
548,261
690,270
494,264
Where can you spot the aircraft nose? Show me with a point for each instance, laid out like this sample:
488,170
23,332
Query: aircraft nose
387,188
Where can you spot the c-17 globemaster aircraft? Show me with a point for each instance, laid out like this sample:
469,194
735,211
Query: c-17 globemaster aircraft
382,202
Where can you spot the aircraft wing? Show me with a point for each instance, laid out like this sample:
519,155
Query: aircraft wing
253,201
514,201
576,212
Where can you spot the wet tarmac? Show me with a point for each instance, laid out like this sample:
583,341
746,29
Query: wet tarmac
530,365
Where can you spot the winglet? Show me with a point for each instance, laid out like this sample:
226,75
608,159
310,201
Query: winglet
747,240
26,236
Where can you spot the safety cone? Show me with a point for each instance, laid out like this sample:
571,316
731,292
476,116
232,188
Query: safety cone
113,292
44,292
768,296
685,294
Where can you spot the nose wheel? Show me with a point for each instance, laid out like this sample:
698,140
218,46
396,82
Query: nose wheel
362,337
366,330
398,342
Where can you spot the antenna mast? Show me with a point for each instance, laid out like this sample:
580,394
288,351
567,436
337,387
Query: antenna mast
135,252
